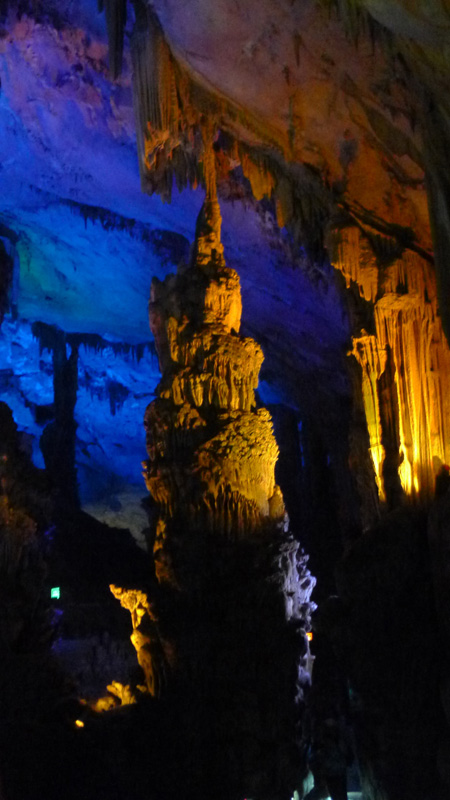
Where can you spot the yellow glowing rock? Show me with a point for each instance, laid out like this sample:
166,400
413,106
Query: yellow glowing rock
210,451
149,661
105,703
261,179
135,601
223,304
145,639
208,244
243,457
372,361
124,693
353,256
217,369
408,327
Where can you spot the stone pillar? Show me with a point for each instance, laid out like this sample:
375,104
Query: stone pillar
58,440
233,597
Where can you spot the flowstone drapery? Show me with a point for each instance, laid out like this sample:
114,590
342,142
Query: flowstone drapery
405,362
232,590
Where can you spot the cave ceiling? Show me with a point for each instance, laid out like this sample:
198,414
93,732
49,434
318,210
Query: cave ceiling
331,94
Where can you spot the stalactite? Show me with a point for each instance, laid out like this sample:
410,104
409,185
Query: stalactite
258,173
46,336
108,219
117,394
171,106
159,90
408,328
304,203
284,202
357,262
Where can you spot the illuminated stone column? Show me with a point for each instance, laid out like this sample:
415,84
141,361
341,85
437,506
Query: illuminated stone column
206,407
233,582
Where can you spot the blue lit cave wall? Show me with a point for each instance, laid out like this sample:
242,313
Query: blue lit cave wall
87,271
115,383
84,243
72,273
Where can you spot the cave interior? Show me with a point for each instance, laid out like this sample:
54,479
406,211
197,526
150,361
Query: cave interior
224,408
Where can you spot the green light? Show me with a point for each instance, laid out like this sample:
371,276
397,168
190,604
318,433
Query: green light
55,593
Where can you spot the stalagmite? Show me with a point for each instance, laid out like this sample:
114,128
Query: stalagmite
232,586
208,368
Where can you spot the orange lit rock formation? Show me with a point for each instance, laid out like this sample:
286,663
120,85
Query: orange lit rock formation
234,589
145,639
405,361
206,410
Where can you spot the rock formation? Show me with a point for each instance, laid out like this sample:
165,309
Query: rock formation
405,363
325,115
145,640
206,407
232,594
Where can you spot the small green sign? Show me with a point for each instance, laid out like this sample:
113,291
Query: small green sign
55,593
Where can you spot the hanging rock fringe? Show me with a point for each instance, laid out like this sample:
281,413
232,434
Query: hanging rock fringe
171,108
258,173
145,89
49,335
169,143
